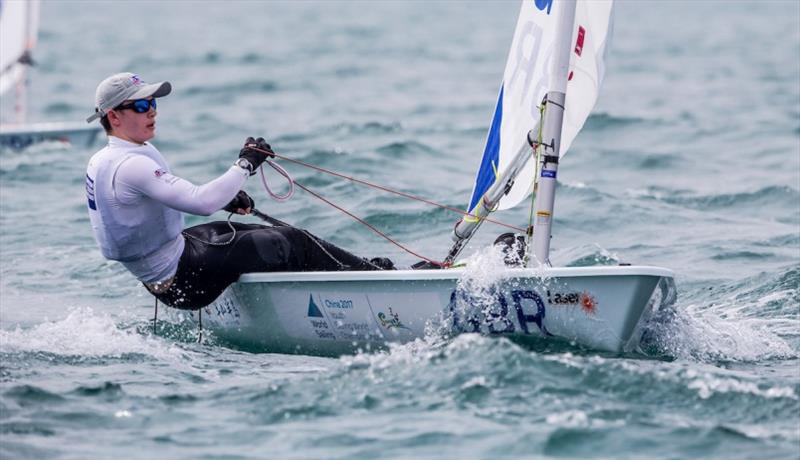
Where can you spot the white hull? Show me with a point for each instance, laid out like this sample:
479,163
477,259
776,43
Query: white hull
21,136
330,313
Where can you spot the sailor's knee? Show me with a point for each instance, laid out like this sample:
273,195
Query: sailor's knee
296,235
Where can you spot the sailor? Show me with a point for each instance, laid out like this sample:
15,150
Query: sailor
136,208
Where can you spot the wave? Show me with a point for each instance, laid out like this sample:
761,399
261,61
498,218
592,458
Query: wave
744,321
83,335
28,167
446,375
743,255
60,107
587,256
406,148
772,295
771,196
411,221
782,241
366,128
657,162
237,88
26,394
603,120
209,58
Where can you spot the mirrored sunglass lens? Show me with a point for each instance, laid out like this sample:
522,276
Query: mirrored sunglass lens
143,105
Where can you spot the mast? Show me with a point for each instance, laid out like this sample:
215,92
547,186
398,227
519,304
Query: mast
550,142
551,134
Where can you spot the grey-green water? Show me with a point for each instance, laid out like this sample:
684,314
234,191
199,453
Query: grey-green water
691,160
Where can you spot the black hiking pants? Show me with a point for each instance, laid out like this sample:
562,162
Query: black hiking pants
207,266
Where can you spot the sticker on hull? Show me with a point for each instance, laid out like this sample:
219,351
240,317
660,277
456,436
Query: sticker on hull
585,299
224,310
520,310
325,315
355,316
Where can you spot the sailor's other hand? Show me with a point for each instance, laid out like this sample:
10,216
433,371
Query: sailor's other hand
382,263
240,204
256,151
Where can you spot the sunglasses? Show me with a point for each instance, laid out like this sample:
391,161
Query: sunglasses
138,106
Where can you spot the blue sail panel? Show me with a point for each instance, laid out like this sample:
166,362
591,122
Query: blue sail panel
488,170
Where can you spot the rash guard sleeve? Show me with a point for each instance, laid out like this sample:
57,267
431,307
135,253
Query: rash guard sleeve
139,175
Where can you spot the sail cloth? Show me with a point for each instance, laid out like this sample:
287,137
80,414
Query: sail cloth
19,26
527,79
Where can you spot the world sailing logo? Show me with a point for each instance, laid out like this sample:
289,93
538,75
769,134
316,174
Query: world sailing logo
542,4
313,309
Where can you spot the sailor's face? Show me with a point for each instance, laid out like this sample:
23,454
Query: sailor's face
133,126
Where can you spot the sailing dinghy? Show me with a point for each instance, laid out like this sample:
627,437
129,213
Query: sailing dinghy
19,25
550,85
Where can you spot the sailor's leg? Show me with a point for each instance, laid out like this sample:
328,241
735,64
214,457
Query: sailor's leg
214,257
299,250
258,248
208,265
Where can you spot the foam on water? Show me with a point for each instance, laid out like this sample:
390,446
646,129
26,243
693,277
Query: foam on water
746,321
87,334
585,256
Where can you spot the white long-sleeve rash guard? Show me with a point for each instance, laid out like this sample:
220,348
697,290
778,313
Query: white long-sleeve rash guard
139,175
136,204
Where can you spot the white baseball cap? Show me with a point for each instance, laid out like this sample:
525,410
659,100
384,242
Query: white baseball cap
120,87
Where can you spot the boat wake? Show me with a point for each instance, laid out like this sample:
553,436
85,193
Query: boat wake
86,335
746,321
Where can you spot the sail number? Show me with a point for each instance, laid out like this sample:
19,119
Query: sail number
496,319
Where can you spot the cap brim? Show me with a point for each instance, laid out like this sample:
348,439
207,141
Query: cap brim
155,90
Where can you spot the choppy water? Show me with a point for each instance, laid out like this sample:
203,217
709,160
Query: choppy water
691,161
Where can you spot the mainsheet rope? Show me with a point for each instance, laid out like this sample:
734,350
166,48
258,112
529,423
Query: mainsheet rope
381,187
293,182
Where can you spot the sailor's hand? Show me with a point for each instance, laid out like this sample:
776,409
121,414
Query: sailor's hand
240,204
256,151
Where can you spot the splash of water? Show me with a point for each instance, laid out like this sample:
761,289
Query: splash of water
693,332
474,305
84,333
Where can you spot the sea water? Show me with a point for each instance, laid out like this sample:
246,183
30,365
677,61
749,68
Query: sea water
691,161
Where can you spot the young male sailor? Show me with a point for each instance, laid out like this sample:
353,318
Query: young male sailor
136,208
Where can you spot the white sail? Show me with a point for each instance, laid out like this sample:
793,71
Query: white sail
19,24
527,80
19,27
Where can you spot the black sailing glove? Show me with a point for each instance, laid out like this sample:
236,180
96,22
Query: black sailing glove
253,156
240,204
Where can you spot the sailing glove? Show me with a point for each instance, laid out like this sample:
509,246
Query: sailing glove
241,202
253,156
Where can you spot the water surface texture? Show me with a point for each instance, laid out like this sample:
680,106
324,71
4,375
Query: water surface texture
691,161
